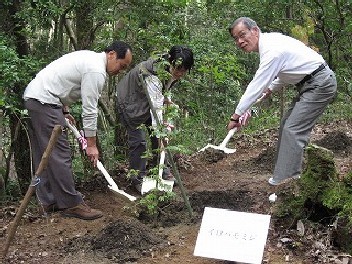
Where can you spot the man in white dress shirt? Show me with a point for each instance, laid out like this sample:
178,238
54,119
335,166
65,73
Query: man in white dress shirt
284,61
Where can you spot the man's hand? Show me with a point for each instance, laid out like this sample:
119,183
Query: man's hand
234,122
92,150
267,93
169,127
238,121
93,155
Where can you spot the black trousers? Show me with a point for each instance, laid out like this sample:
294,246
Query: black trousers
137,147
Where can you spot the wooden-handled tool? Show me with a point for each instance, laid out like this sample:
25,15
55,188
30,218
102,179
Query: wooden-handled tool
31,189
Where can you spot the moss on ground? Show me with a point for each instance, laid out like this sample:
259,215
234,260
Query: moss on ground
322,196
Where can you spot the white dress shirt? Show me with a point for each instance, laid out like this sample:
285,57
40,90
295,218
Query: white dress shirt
283,60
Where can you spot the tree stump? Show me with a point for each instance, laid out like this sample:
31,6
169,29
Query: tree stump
323,197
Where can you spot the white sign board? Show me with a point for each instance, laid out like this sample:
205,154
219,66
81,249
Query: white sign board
231,235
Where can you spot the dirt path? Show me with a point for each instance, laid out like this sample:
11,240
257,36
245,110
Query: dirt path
237,181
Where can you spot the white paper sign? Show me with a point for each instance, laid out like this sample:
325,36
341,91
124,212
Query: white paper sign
231,235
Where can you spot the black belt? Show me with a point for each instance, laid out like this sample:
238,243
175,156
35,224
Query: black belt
310,76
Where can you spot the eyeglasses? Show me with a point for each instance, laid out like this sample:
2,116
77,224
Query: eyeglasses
243,34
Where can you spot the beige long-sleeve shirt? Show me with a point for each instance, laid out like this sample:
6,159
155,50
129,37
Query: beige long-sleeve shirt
79,75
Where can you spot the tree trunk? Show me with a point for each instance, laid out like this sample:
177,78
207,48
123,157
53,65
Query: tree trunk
20,139
2,159
84,24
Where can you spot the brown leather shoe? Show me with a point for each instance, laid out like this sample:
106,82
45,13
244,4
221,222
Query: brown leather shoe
82,211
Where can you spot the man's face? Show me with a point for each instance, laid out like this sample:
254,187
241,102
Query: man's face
246,39
177,73
114,65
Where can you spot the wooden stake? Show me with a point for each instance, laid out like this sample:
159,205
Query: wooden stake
169,154
31,189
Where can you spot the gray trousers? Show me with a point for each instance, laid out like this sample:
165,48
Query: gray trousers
299,120
56,182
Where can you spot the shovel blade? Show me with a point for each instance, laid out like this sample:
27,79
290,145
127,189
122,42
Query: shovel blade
228,150
224,149
206,147
165,185
121,192
148,184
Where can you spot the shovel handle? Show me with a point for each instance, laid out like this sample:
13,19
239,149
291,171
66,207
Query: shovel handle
228,136
233,130
162,159
112,185
73,129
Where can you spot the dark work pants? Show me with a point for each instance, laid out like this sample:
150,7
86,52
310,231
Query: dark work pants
56,181
137,147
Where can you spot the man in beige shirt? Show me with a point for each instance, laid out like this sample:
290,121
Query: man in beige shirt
79,75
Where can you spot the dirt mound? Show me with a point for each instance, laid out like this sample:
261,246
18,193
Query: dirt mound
175,212
336,141
121,241
211,155
264,162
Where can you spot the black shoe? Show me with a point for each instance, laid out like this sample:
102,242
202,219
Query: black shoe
167,175
137,184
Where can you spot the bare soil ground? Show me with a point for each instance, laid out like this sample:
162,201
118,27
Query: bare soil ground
235,181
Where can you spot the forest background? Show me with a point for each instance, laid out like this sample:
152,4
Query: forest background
33,33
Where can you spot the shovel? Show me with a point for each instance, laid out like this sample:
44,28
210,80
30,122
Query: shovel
149,184
163,185
222,146
112,185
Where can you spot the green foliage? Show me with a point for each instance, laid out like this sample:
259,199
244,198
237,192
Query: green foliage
40,13
15,71
12,192
209,95
154,200
336,195
339,196
161,65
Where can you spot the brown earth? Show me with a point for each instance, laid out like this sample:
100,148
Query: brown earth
126,234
